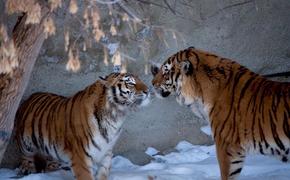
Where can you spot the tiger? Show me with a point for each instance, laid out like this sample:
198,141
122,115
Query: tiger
247,112
80,130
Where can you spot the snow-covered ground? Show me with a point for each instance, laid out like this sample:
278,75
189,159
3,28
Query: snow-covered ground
188,162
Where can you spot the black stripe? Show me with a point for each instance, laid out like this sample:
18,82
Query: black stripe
33,124
278,152
121,91
262,134
261,148
86,153
64,103
237,162
99,119
211,55
236,82
56,153
286,105
273,106
287,151
54,118
272,151
45,108
254,95
71,120
237,78
50,117
84,132
265,89
229,78
176,78
46,150
276,100
274,132
236,171
286,126
253,126
171,76
212,109
26,109
115,95
94,142
102,129
246,86
221,70
229,154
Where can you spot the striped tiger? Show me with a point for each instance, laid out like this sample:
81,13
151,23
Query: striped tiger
80,130
247,112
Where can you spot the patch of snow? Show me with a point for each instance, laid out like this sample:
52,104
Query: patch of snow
187,153
206,130
189,162
151,151
183,146
121,162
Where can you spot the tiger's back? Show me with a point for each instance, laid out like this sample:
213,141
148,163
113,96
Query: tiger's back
45,121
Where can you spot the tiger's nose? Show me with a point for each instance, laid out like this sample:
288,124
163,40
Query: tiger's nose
146,91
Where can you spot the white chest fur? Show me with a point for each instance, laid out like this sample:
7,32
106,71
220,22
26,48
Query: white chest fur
103,144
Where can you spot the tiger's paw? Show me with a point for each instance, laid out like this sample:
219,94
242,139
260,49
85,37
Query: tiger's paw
26,167
52,166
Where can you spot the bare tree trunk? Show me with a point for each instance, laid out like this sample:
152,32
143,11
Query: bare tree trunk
28,41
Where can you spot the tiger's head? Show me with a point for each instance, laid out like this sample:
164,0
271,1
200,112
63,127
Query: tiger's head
173,74
126,89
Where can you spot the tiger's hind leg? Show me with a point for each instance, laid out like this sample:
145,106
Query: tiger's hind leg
231,161
105,166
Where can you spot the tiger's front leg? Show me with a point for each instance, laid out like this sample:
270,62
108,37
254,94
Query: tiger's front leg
81,166
231,161
104,166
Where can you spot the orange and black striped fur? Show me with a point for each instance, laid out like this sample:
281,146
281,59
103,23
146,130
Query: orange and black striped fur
247,112
80,130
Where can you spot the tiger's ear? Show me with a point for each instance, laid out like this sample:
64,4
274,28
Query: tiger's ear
104,81
102,78
154,68
186,67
